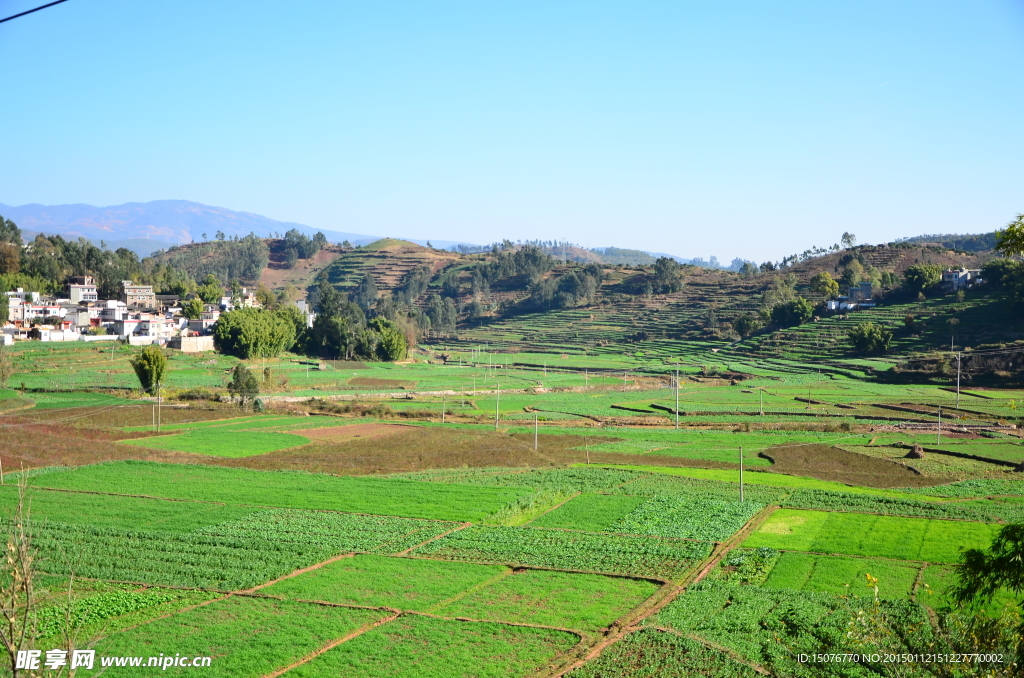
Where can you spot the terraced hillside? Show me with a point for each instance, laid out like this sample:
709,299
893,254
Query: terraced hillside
387,260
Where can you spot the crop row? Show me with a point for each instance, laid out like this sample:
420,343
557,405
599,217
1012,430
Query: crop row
236,554
616,554
337,532
687,518
652,652
842,501
772,627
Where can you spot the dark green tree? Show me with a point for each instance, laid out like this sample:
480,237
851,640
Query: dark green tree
795,312
746,324
253,333
392,345
1010,240
243,385
211,290
921,277
149,366
365,294
980,574
823,284
193,308
870,338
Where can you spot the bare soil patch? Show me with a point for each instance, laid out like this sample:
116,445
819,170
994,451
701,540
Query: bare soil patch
831,463
415,448
337,434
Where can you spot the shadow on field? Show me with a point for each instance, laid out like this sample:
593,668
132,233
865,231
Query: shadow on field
831,463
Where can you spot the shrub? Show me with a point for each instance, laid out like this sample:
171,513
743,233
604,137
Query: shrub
870,338
921,277
795,312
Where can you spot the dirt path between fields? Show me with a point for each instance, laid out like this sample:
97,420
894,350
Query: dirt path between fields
632,621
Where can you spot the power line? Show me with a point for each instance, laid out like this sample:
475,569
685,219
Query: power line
15,16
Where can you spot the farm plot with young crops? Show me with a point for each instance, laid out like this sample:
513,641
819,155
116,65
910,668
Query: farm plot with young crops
980,511
245,636
113,511
286,490
377,581
424,647
99,608
842,575
771,627
687,518
231,555
216,442
857,534
653,653
566,550
590,512
586,602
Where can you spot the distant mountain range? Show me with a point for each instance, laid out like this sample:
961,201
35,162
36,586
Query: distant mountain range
145,227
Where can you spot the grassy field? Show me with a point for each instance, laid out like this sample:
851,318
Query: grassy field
936,541
216,443
422,647
522,546
590,512
842,575
651,653
245,636
299,490
578,601
375,581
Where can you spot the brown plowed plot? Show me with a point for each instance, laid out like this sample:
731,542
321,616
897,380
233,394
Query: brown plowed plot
338,434
831,463
381,383
414,448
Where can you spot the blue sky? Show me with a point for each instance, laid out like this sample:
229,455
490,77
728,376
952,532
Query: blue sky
748,129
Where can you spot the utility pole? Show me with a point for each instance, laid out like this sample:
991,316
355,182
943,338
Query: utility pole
741,473
958,381
938,428
442,409
497,404
761,394
677,396
586,378
623,381
536,427
159,403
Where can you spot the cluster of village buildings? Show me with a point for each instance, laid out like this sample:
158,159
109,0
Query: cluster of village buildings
138,316
861,296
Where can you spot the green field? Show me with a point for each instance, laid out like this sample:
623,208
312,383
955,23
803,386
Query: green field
421,647
842,575
291,490
650,653
567,600
590,512
217,443
244,636
612,554
375,581
936,541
